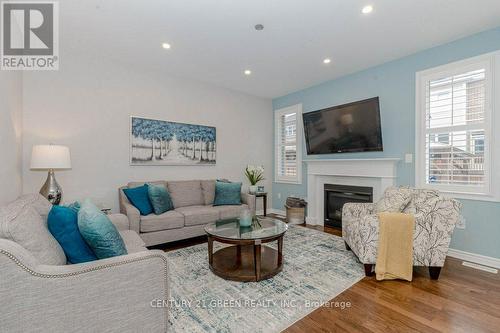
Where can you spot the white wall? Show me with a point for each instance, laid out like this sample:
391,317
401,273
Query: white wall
10,135
87,106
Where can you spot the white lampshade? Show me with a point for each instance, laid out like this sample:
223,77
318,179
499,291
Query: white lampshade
44,157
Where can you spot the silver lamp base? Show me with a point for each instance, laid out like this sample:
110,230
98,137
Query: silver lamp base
51,189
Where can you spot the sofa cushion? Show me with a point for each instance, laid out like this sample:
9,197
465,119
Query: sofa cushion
165,221
20,222
137,184
196,215
229,212
139,197
186,193
99,233
160,198
132,241
208,188
394,200
63,225
227,194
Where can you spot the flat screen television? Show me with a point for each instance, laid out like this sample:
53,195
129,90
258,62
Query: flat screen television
353,127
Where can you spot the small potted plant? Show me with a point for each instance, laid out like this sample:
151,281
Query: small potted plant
254,175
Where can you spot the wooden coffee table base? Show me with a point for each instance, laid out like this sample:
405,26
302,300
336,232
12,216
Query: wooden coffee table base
246,263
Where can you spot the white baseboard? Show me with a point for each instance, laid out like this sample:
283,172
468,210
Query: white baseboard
277,211
271,211
475,258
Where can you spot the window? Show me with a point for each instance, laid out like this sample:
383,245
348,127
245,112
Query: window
288,147
454,135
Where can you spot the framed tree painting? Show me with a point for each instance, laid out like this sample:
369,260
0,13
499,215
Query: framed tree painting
159,142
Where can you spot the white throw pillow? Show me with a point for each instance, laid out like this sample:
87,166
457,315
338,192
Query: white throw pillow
394,200
21,222
419,199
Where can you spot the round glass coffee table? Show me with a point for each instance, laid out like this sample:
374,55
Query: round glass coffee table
247,259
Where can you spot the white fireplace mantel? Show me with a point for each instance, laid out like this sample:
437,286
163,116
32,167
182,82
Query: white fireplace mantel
378,173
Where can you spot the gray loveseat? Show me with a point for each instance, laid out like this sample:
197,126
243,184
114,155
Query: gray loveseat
193,209
39,292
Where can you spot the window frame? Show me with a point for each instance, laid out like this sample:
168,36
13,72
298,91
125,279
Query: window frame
491,63
297,108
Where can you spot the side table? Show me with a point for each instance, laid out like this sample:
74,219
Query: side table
262,195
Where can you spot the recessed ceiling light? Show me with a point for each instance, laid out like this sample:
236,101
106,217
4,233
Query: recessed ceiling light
327,61
247,72
367,9
166,46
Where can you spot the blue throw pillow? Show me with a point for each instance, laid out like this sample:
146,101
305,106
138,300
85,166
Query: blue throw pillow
227,193
139,197
160,199
99,233
63,225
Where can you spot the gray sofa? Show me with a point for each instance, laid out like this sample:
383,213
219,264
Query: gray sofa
193,209
41,293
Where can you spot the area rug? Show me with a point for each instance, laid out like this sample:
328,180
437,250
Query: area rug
317,267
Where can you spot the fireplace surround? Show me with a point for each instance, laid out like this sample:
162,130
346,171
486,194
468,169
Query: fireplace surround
377,173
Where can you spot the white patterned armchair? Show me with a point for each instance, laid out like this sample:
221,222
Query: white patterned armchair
435,219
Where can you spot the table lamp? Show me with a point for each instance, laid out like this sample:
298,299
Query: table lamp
51,157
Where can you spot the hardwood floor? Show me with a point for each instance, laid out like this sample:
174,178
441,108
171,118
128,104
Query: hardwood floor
462,300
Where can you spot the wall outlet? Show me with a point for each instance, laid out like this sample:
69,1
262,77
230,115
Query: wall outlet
461,222
279,195
408,158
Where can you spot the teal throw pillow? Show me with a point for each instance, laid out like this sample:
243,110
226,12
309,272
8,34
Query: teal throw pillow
160,199
139,197
99,233
227,193
63,225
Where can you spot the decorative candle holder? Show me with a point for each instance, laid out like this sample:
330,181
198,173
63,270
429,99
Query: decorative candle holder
245,219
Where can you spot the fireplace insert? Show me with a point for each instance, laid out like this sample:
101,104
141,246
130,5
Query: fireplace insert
337,195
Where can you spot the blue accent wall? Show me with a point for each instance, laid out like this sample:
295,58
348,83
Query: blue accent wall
394,83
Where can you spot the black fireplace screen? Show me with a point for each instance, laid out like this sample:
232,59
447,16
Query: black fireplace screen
337,195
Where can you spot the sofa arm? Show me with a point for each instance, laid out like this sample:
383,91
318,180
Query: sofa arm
361,234
249,199
356,209
434,226
133,215
115,294
120,221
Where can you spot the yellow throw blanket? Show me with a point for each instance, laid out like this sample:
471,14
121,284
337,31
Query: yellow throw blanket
395,247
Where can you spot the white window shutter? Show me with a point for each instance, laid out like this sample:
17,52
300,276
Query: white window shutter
287,148
455,127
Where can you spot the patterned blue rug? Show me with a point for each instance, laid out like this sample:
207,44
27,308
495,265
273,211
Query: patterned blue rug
317,268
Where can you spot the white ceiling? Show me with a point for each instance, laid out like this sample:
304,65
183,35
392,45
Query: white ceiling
214,40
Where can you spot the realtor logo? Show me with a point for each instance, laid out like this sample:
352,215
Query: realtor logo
29,37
